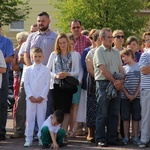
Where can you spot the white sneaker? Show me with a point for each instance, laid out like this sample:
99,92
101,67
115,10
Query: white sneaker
27,144
40,143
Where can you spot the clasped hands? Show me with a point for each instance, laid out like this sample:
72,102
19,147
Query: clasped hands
36,100
62,75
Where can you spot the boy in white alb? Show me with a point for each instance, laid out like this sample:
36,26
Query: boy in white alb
36,84
51,132
2,66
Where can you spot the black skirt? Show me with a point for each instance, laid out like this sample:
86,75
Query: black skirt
62,99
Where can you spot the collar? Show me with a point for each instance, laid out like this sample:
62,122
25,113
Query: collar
105,49
37,65
47,33
79,37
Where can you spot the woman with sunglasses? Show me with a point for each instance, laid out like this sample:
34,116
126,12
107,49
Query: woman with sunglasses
118,39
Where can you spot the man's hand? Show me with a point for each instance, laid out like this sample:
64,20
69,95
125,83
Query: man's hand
32,99
54,146
118,84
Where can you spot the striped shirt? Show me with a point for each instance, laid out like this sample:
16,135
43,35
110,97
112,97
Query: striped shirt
145,61
132,79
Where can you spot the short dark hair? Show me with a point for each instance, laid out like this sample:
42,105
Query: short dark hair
102,32
34,25
76,20
131,39
71,36
0,25
59,115
44,14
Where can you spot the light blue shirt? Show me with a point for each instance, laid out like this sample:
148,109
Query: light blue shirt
44,41
6,47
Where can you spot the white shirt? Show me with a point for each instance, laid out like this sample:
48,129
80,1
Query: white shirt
48,123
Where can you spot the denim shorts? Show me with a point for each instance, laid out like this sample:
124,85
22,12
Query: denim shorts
130,108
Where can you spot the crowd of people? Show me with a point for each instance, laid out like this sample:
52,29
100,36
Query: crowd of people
112,95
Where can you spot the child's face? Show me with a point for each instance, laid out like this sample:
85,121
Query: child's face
126,59
133,45
37,57
54,121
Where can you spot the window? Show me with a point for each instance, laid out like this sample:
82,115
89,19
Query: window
17,25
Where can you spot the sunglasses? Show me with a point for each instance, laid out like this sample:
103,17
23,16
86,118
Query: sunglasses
119,36
76,27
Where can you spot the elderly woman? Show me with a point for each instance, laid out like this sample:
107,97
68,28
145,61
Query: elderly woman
118,39
17,67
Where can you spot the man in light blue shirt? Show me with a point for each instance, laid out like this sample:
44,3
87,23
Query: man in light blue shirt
6,47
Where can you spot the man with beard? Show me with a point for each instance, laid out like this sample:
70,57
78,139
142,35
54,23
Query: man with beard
44,38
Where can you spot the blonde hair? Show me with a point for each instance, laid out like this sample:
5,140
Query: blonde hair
115,32
22,36
57,48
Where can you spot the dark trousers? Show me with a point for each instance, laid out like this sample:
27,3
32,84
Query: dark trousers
3,102
50,107
107,114
21,111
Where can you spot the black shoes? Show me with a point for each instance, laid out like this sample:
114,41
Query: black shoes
102,144
116,143
2,137
16,135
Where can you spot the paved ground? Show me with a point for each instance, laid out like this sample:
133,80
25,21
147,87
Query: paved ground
77,143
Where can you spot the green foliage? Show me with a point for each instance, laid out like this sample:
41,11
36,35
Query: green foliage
114,14
13,10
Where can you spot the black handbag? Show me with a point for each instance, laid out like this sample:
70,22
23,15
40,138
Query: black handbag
69,84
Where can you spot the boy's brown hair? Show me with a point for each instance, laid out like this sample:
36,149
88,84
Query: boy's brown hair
127,51
37,50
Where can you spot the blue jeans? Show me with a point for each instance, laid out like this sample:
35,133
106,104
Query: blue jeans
107,114
3,103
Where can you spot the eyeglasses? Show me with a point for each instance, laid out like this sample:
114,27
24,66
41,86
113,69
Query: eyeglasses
147,40
119,36
76,27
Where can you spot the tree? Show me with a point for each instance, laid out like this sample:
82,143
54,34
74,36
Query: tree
114,14
13,10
